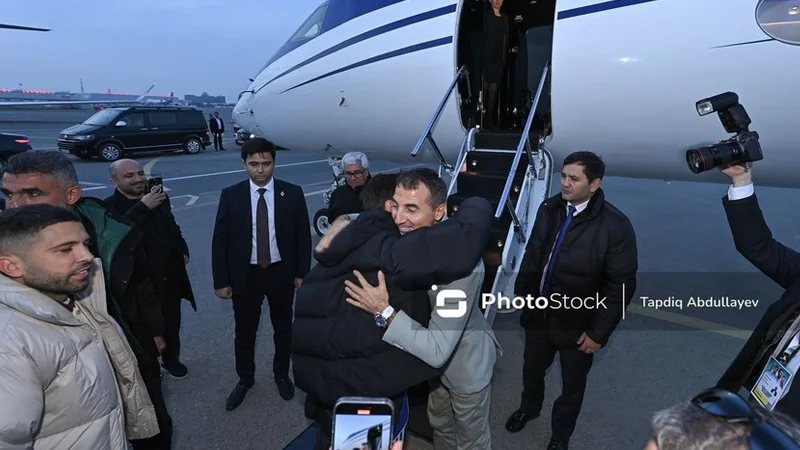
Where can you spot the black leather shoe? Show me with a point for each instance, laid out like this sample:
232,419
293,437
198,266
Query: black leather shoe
558,445
516,422
237,395
285,388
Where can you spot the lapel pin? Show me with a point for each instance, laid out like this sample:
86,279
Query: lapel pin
282,194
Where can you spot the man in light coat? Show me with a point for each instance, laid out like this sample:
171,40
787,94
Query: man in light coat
68,378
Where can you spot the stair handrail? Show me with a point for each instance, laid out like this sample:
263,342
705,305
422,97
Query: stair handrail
520,148
462,156
427,134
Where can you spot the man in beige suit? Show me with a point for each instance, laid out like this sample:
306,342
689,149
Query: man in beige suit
68,378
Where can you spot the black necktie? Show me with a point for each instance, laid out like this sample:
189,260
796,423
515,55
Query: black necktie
262,230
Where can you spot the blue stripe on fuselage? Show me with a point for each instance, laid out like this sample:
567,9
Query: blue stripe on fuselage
599,7
370,34
374,59
338,12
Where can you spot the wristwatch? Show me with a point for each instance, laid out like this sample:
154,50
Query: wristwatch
382,318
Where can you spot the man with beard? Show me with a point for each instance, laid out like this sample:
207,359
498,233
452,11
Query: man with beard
65,375
164,246
42,176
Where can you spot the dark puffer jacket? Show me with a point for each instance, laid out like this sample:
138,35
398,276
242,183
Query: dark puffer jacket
337,348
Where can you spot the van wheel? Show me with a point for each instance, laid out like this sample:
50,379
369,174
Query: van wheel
110,152
321,224
192,146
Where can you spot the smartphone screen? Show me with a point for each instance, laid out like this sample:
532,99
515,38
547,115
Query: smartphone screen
362,425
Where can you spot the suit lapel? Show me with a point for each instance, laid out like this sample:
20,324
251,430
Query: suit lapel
280,205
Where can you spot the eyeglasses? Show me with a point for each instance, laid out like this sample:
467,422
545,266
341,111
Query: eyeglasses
734,409
355,174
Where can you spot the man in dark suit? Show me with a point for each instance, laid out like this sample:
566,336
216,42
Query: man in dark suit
217,128
165,248
261,246
580,246
778,331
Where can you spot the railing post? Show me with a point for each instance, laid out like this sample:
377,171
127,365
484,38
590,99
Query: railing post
525,136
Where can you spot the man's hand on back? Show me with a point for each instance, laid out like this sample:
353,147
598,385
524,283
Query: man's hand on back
372,299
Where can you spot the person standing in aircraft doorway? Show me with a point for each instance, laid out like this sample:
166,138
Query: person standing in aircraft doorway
494,61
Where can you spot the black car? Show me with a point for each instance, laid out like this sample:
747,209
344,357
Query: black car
10,145
115,132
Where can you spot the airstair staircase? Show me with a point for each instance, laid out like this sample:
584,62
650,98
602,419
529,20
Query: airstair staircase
511,169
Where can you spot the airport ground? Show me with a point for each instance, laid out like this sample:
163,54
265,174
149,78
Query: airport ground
657,356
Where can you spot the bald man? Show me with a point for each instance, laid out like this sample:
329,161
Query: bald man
165,247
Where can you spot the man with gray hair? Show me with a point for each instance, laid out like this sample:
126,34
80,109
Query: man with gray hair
721,420
345,199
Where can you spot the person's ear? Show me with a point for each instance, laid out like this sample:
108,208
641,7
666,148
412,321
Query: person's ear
440,212
11,266
74,194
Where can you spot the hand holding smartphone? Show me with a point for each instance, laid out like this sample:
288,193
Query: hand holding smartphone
153,182
362,423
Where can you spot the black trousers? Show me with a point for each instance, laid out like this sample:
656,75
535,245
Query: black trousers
151,372
218,141
170,296
492,115
277,285
541,346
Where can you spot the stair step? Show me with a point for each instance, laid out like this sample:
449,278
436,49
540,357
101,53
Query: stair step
504,140
489,186
489,163
455,200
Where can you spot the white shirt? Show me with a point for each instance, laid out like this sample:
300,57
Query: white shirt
578,209
219,122
740,192
269,197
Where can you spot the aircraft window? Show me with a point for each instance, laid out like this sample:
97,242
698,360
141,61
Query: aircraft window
312,26
780,20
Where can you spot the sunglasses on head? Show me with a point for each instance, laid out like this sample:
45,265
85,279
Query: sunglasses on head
734,409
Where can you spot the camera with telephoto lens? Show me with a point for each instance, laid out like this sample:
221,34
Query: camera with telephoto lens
740,149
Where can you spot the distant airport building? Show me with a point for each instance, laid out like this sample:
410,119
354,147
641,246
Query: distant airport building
205,100
17,95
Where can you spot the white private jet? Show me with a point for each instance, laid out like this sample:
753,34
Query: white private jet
621,78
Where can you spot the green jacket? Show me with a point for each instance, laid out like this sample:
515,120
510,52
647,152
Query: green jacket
131,297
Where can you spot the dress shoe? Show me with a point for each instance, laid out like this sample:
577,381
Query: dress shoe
285,388
557,445
518,419
175,369
237,395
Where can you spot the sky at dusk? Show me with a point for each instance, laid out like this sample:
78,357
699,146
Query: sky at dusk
184,46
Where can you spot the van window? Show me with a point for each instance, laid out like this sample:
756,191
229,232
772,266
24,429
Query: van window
191,119
102,118
161,118
134,120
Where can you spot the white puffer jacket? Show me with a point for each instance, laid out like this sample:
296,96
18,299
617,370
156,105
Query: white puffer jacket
68,381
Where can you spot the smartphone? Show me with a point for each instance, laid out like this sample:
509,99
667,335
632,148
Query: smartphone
362,423
151,182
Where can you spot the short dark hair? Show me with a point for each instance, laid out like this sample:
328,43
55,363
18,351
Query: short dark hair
593,165
377,190
21,226
411,179
257,145
44,162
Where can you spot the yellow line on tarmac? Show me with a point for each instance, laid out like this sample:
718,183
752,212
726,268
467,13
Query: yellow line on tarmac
691,322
